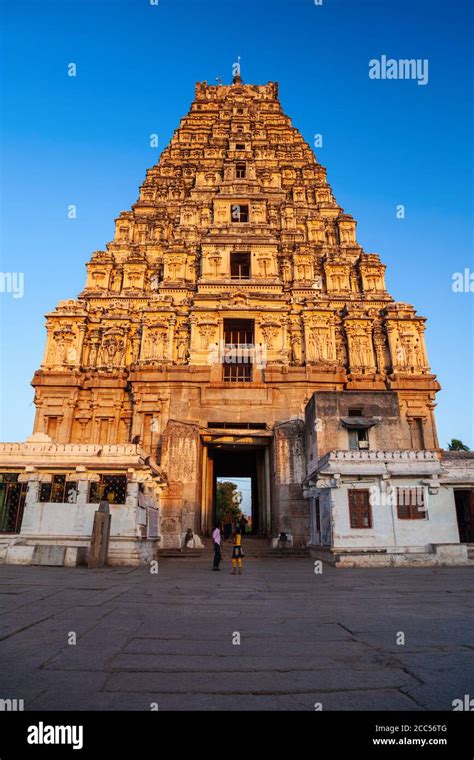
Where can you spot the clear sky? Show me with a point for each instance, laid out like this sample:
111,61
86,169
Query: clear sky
85,141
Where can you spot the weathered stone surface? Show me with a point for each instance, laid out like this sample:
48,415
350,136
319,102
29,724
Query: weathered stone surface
303,638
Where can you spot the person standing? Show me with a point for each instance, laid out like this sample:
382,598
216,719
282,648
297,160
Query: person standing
243,524
216,538
227,525
237,552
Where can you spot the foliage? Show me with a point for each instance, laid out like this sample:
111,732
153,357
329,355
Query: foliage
457,445
228,499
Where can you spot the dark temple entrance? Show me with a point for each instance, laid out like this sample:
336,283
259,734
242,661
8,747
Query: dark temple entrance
227,461
464,500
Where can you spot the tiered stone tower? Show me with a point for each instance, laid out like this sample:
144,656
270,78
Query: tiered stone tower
236,238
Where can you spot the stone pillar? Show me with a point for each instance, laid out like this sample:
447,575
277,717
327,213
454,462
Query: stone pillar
67,422
180,499
82,332
205,506
32,498
268,503
284,341
79,506
171,339
82,492
193,346
292,509
100,536
132,494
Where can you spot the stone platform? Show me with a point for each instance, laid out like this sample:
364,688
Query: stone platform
169,638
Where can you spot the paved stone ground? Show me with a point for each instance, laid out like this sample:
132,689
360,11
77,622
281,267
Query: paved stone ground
305,638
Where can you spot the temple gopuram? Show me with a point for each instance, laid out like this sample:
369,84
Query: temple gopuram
234,327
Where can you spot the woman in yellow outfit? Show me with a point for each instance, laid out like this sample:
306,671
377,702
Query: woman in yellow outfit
237,553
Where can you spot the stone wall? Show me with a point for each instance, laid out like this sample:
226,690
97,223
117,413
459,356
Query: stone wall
290,510
180,500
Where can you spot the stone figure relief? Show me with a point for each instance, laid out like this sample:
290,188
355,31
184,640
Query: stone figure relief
269,333
94,343
155,280
60,353
264,263
182,348
63,339
207,333
112,349
156,343
116,278
71,355
360,350
341,347
215,260
320,345
380,348
295,343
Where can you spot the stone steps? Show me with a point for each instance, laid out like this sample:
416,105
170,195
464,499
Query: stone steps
180,554
254,548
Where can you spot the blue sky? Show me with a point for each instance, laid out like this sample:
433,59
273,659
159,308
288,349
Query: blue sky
85,141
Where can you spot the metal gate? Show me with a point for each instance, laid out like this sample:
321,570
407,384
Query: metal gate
12,502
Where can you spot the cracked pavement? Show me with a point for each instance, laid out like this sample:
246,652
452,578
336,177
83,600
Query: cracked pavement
166,639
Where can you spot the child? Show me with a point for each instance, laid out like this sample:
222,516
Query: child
237,553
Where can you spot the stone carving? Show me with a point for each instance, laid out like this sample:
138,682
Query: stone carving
155,343
207,334
360,349
182,348
270,332
159,297
112,349
62,350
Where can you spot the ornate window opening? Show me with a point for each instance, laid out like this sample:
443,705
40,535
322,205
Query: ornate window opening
239,146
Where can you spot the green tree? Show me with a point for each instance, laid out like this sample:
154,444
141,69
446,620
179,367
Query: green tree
228,499
457,445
